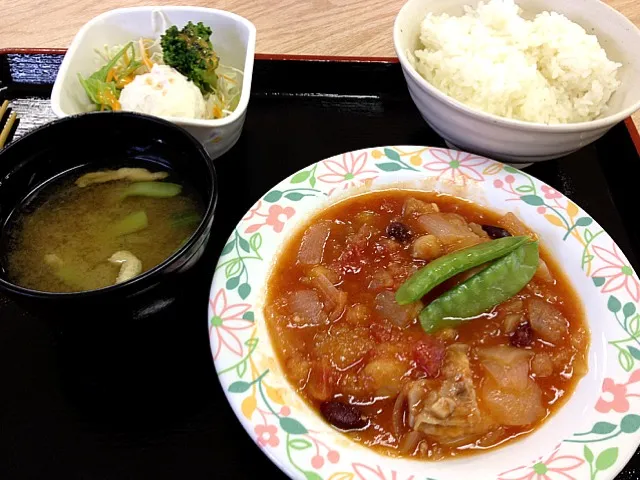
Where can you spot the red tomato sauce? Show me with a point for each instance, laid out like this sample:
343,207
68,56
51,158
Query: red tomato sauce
351,352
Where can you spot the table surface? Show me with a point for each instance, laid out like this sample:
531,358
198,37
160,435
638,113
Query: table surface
322,27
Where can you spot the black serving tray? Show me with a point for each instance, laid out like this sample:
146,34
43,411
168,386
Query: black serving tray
143,401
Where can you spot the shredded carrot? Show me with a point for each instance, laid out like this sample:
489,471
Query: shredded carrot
217,113
108,98
111,74
228,79
125,81
145,55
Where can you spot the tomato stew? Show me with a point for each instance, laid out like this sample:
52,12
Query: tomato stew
366,364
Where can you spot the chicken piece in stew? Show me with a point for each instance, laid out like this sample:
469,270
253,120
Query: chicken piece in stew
362,357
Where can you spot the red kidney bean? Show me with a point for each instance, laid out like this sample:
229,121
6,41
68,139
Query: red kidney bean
522,336
342,415
398,231
495,232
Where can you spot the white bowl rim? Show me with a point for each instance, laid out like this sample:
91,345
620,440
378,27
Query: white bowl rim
596,124
247,73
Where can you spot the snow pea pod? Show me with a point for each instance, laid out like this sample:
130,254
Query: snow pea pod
443,268
483,291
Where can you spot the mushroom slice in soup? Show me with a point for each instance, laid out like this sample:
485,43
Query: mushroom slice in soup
131,174
130,265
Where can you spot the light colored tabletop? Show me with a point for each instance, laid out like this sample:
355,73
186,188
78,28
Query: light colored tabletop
314,27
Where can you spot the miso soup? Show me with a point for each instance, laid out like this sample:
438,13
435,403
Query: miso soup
89,230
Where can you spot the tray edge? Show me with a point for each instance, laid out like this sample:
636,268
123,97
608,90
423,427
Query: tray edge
258,56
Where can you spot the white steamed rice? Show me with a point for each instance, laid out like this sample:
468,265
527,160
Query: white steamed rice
546,70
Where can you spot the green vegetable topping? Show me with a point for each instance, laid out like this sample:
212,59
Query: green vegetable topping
483,291
185,219
102,86
152,189
191,53
132,223
67,274
443,268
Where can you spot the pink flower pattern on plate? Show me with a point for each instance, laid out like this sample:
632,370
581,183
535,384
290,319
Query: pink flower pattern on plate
365,472
508,185
267,435
617,274
275,217
554,467
347,171
253,211
550,193
456,165
615,396
318,460
225,320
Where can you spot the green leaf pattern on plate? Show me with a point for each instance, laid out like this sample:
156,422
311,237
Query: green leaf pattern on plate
396,162
603,461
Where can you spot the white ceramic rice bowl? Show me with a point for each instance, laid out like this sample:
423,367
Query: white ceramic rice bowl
513,140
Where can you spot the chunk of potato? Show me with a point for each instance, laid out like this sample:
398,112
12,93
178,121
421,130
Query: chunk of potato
426,247
386,375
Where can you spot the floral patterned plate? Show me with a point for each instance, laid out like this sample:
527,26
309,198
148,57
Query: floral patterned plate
590,438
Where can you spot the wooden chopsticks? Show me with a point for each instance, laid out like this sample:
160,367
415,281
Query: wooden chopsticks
4,134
